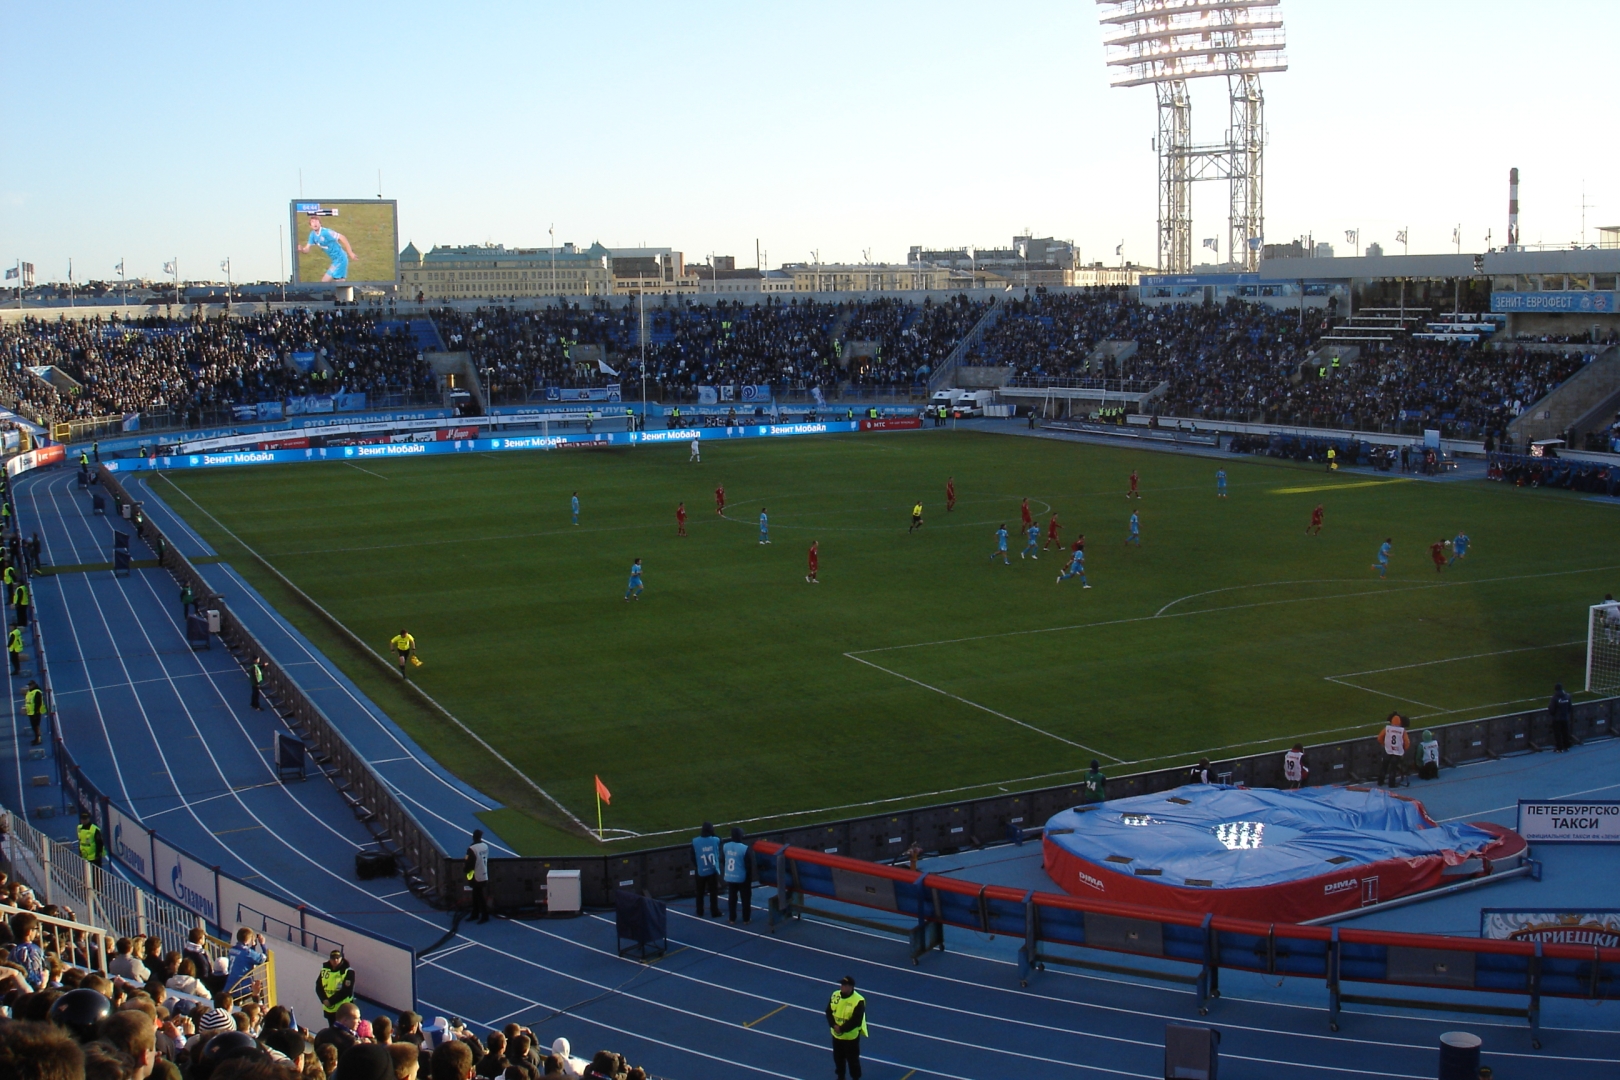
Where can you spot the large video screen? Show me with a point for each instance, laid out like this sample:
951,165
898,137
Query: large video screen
345,241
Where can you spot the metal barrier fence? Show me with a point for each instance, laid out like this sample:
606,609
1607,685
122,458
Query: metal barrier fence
368,795
669,871
1203,943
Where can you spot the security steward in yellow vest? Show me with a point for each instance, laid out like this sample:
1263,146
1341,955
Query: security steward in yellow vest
334,985
14,646
19,600
256,678
34,706
91,845
846,1015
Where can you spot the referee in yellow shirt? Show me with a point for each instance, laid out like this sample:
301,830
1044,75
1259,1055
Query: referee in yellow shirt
405,645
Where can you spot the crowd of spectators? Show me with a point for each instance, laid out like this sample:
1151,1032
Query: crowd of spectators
149,1015
1232,362
188,367
1244,362
791,344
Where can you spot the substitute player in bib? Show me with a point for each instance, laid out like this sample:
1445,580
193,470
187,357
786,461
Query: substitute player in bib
1295,771
633,590
1381,560
1032,539
815,562
1001,546
950,494
916,517
1315,527
680,519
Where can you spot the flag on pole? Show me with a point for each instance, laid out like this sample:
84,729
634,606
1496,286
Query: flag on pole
168,268
12,272
601,365
1401,236
602,792
1211,242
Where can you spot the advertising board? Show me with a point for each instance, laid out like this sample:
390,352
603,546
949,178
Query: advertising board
1598,926
345,241
1595,821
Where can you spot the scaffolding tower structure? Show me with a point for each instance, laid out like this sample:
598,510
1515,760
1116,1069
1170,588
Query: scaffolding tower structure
1165,44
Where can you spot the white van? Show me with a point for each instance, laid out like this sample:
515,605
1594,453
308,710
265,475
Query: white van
972,402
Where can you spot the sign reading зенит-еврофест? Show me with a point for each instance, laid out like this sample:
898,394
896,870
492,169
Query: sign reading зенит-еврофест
1555,822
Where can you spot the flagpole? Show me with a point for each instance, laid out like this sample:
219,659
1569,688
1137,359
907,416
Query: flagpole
598,817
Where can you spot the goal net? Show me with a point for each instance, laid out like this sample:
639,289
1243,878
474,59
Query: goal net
1603,649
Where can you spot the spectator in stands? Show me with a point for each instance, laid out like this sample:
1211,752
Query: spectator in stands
126,964
340,1032
195,951
365,1061
494,1062
452,1061
327,1055
406,1060
132,1032
39,1051
245,956
27,953
409,1029
572,1067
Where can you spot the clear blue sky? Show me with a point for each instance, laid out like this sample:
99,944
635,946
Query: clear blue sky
160,129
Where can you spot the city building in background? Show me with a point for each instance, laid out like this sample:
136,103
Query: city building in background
1030,262
493,270
651,270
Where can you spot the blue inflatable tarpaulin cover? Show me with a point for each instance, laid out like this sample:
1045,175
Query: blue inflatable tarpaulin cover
1234,837
1260,853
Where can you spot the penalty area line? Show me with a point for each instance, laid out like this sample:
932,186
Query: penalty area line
984,708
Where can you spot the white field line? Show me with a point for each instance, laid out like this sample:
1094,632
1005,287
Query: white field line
1230,607
368,472
983,708
496,754
1455,659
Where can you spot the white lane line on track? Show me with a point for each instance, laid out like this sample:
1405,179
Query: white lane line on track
366,708
622,993
982,708
727,955
522,776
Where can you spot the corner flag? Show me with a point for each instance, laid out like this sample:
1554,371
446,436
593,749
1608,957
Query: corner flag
602,792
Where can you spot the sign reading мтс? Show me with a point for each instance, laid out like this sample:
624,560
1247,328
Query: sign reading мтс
1595,822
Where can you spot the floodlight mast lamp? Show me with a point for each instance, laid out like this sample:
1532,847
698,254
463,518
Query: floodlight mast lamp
1165,43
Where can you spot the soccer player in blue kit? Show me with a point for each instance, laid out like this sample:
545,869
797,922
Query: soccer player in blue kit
764,527
573,507
1032,547
1220,483
633,590
1001,546
334,245
1077,565
1459,547
1135,536
1383,556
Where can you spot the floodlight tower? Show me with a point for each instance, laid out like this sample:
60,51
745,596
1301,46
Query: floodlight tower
1165,43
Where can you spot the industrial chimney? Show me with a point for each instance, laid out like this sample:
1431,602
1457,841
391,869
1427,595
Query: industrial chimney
1513,210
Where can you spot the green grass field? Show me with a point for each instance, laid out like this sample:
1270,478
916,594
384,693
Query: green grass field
735,691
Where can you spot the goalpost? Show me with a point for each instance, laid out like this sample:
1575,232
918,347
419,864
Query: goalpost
1603,648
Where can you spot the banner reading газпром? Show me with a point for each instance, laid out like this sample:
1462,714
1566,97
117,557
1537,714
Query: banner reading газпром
1557,822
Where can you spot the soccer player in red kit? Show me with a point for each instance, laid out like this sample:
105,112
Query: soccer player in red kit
1054,532
1028,520
950,493
1437,552
680,519
1315,527
720,499
815,560
1133,493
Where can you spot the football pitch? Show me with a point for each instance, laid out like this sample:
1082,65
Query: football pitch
920,669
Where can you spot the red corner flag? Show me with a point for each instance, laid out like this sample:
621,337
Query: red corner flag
602,792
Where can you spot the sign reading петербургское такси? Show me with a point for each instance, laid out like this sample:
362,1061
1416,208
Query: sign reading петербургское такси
1551,821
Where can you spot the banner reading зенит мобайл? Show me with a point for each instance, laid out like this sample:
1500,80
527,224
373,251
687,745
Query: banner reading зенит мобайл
1550,821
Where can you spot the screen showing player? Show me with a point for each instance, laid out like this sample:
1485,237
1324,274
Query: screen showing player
344,241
